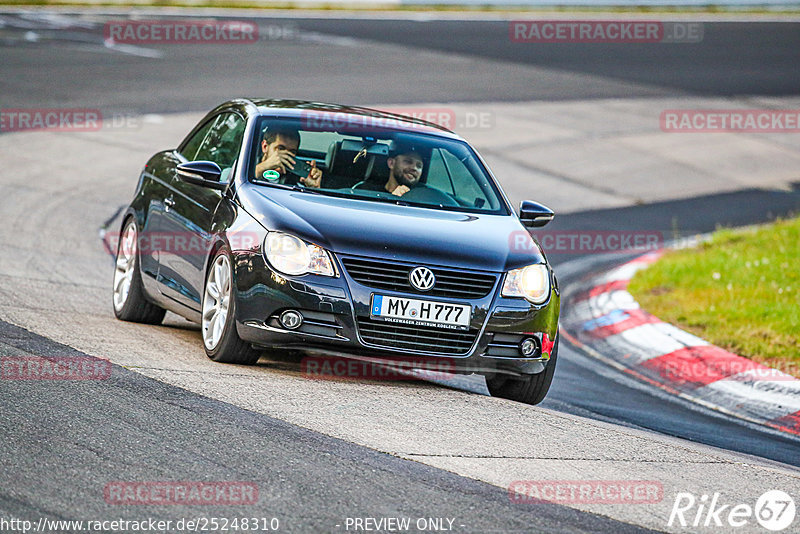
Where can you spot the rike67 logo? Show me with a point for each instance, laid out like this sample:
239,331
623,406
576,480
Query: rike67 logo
774,511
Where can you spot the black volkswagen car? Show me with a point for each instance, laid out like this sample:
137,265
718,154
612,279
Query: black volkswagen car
298,225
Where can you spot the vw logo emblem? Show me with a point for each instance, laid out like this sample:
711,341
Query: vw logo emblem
421,278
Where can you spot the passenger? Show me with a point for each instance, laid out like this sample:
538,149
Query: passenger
279,148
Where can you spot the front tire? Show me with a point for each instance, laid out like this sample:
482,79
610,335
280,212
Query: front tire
220,339
130,303
531,389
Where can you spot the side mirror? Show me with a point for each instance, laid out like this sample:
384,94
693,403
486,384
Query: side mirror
535,215
202,173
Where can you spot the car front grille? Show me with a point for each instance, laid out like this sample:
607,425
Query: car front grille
393,276
421,338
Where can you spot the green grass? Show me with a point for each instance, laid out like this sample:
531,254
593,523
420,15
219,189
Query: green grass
740,291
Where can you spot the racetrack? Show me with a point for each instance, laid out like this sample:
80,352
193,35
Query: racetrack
322,451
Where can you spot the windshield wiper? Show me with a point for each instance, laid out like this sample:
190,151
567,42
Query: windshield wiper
298,187
294,187
398,201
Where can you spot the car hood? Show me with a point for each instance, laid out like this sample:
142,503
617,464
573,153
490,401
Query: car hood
385,230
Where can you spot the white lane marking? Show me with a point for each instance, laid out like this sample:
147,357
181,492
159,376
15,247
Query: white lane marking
648,341
764,374
152,118
55,21
622,273
605,303
315,37
769,399
578,313
133,50
20,23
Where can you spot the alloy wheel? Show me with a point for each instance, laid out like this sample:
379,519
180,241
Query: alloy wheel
216,301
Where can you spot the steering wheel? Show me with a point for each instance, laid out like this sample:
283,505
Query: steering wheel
426,194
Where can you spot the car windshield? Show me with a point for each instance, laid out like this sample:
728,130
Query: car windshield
378,164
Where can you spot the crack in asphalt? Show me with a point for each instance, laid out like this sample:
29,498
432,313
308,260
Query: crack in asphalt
572,459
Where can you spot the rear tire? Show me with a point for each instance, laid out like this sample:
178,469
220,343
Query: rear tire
531,389
218,324
128,297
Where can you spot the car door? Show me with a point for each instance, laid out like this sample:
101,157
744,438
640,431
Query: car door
155,180
159,226
190,217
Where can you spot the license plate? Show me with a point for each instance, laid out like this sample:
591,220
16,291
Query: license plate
421,312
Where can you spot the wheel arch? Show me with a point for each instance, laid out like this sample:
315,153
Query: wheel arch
219,243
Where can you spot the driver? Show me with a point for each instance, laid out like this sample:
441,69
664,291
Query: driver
279,148
405,170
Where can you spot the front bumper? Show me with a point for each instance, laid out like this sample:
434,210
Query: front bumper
337,321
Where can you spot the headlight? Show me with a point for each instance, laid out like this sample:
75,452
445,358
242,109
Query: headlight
291,255
531,282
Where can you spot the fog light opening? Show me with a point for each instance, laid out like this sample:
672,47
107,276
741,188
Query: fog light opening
291,319
530,347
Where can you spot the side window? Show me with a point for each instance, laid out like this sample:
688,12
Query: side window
223,141
190,149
